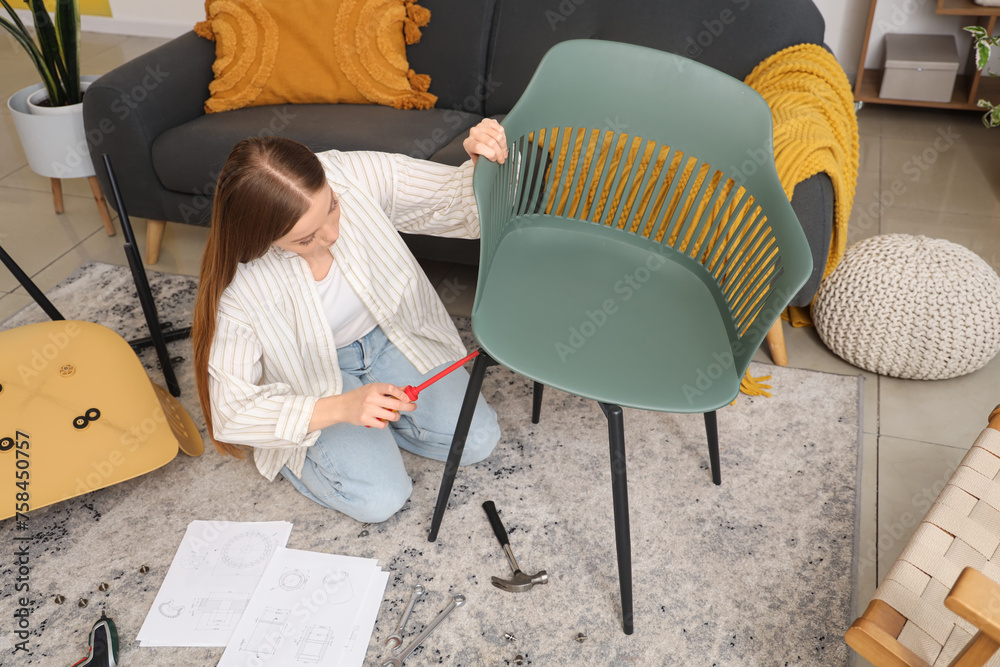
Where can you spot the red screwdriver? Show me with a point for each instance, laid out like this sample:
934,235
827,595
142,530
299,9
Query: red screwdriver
413,392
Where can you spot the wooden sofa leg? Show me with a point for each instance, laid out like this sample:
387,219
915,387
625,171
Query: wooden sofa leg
776,344
102,205
154,238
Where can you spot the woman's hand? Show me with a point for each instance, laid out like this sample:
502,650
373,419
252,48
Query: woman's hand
487,139
371,405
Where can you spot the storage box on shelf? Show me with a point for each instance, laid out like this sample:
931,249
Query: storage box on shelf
921,68
968,88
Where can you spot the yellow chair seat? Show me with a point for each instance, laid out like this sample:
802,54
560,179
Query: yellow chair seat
79,413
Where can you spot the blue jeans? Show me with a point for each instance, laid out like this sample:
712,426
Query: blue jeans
359,471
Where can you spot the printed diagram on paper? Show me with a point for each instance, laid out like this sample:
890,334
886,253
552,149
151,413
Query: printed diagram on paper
245,554
210,581
309,608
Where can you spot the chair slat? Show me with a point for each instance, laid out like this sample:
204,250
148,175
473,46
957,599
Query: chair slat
557,144
598,186
740,245
531,156
677,167
654,202
639,153
714,230
688,177
703,217
566,153
746,271
611,188
746,217
729,221
577,195
755,295
542,140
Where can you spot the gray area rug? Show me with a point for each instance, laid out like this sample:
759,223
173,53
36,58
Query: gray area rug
759,571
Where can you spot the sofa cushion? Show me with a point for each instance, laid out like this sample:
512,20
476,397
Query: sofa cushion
188,158
453,52
729,35
322,52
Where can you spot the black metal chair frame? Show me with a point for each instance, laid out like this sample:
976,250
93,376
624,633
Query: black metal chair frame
158,338
619,481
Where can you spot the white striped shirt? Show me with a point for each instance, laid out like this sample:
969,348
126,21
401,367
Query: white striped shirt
273,355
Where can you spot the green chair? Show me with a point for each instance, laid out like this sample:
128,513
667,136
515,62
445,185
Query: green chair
636,245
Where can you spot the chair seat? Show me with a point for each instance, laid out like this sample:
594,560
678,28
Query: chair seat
84,414
591,313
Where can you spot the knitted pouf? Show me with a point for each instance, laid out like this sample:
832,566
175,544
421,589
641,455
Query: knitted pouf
911,307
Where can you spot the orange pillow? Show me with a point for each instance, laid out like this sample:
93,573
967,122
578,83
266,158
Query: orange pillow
314,51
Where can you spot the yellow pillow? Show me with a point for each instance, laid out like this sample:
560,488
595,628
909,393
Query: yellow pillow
314,51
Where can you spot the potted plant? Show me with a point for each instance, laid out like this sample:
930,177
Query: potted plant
48,116
982,43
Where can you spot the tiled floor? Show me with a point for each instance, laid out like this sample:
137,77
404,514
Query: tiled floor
914,432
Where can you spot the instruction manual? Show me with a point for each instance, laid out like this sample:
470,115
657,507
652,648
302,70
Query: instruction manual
309,608
210,582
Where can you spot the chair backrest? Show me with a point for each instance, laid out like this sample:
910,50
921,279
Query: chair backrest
660,152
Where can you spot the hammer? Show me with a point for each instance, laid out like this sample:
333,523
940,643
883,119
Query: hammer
520,582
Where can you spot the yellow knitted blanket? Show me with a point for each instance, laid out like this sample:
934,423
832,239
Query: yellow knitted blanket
815,130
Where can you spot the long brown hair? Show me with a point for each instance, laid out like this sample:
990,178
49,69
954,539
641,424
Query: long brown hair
264,188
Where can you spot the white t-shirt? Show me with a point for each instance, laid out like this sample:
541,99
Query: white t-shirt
349,318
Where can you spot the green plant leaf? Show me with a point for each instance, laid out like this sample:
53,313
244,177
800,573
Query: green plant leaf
15,18
982,54
977,31
68,33
24,39
49,46
994,117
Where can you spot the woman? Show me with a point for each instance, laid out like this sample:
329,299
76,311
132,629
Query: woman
312,314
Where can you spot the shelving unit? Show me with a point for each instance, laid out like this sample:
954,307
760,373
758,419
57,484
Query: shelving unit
969,89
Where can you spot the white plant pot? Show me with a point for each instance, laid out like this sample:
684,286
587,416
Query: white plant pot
53,138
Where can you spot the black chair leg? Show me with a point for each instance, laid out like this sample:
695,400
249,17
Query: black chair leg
482,362
536,402
619,493
712,428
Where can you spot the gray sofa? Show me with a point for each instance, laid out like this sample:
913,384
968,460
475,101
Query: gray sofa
148,114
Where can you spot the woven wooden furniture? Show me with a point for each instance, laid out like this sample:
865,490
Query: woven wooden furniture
939,604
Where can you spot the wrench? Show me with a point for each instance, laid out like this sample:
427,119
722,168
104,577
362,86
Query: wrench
397,636
456,601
